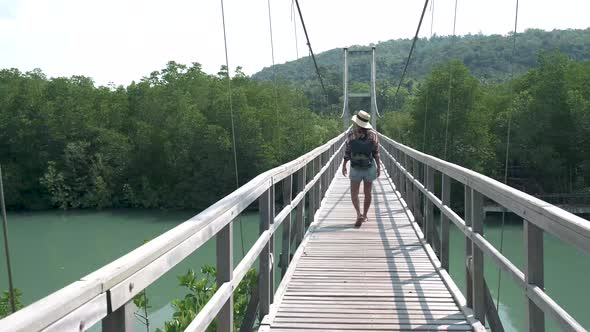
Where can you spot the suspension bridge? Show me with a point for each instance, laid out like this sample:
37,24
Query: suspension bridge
391,274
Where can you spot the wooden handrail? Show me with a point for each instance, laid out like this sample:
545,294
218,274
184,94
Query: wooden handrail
95,296
538,216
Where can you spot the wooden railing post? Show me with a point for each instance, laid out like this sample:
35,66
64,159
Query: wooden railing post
265,263
271,241
428,207
397,171
312,199
120,320
468,251
534,273
386,160
402,177
317,185
477,215
334,163
416,198
300,228
225,268
286,250
324,178
444,222
409,186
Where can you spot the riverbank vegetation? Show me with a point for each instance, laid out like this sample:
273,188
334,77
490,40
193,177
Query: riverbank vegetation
547,109
164,142
6,306
546,102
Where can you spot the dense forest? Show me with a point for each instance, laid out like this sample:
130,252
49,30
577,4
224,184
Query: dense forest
164,142
487,57
549,112
547,102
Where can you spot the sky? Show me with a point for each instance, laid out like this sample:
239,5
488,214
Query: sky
120,41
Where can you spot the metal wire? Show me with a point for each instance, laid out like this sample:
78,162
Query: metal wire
427,88
411,49
233,132
507,154
310,49
450,85
6,251
274,78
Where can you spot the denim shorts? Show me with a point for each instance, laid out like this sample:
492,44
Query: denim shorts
363,174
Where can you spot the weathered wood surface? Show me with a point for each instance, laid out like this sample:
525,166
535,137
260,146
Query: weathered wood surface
377,277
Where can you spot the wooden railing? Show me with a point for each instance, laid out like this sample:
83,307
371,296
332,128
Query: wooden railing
414,174
106,294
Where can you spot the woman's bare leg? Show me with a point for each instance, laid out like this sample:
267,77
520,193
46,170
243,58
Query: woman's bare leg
354,195
367,186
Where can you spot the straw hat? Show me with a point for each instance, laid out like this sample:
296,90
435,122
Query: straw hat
362,119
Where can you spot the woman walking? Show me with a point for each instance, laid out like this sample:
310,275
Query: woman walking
362,149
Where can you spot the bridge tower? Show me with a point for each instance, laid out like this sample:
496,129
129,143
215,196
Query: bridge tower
370,94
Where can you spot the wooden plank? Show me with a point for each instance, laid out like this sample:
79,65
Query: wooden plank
340,272
373,327
375,319
48,310
82,318
454,290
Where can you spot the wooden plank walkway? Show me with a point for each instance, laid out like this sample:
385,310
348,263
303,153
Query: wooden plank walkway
376,278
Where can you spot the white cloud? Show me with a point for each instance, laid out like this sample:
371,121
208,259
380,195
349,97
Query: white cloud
123,40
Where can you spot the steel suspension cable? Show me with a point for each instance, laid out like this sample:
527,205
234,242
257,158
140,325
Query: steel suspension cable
274,78
450,84
231,110
427,88
411,49
293,18
310,49
294,28
507,150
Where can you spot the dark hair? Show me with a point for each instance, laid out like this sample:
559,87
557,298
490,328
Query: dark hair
363,131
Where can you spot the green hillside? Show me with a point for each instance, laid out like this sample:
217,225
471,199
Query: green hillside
487,57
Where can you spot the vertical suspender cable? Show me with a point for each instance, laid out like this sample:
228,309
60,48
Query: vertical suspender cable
231,110
427,88
450,84
5,229
293,18
507,149
274,78
294,28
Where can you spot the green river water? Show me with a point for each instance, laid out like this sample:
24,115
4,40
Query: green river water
52,249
